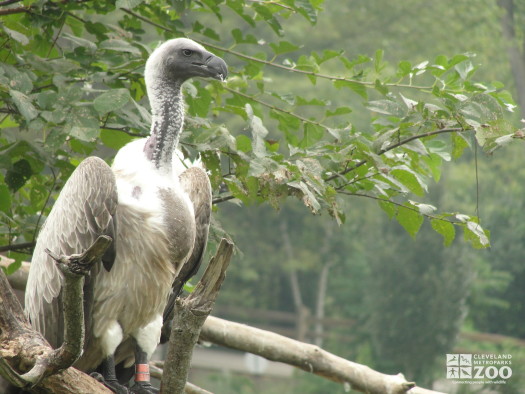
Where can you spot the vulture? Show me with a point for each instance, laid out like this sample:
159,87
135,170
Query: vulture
156,210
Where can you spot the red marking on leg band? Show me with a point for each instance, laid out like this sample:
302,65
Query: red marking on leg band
141,372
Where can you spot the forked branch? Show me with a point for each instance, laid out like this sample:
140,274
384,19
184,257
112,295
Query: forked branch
25,349
190,314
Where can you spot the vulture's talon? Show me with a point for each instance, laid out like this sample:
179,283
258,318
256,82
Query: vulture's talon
143,388
111,384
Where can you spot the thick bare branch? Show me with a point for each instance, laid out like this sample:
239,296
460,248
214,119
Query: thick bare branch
20,346
308,357
190,315
23,349
253,340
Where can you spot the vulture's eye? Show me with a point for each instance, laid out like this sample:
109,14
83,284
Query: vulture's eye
187,52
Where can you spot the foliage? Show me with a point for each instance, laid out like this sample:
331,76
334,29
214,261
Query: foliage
71,85
297,117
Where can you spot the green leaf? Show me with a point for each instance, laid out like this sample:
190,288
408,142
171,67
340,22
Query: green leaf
83,124
18,174
312,134
434,162
24,105
386,107
388,207
357,87
240,39
114,139
338,111
410,219
446,229
459,143
17,36
259,132
111,100
308,197
404,68
327,55
244,144
409,179
119,46
478,237
5,199
378,61
381,88
128,3
211,34
80,42
14,266
283,47
305,8
465,69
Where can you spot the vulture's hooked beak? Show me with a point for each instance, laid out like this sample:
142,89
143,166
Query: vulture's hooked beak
214,67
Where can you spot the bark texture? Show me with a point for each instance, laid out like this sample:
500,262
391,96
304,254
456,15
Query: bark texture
21,346
26,359
516,56
263,343
190,314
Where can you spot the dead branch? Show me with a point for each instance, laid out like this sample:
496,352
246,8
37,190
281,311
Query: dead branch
308,357
225,333
23,349
190,315
156,371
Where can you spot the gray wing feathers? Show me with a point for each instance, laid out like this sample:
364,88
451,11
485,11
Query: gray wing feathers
195,182
84,210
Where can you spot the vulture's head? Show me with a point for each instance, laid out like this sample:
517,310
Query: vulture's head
180,59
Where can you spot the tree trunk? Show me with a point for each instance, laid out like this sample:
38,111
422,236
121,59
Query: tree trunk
319,308
516,58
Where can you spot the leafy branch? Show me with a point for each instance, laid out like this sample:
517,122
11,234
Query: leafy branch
275,108
410,208
397,145
273,64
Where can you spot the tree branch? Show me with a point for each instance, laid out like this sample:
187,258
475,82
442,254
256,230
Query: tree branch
14,247
308,357
275,108
190,315
397,145
16,10
273,64
427,215
23,349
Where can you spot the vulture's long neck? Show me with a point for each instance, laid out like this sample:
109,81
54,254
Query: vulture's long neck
167,110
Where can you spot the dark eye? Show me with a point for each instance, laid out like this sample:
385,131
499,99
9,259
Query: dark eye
187,52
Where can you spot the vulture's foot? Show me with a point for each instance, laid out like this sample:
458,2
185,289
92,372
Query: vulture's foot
111,384
143,388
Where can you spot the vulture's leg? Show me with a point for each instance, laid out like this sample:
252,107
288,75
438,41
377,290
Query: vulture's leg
110,340
108,377
146,340
142,380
